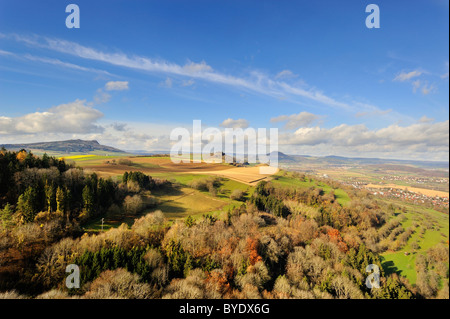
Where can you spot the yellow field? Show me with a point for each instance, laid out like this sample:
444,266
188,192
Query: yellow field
247,175
424,191
75,157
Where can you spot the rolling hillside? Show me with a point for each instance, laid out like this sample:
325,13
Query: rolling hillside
66,147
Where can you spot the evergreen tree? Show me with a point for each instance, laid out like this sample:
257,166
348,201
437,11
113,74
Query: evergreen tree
28,204
6,216
88,201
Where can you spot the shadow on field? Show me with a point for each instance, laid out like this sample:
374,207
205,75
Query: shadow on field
390,268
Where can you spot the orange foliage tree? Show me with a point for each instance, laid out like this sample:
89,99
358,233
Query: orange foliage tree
252,249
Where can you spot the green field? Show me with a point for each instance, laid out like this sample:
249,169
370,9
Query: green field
181,202
436,232
286,179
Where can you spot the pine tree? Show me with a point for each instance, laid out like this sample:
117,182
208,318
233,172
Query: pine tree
27,205
6,216
88,201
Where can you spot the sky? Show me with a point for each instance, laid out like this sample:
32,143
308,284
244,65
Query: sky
136,70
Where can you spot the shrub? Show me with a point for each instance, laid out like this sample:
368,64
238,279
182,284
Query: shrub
237,194
118,284
12,294
133,204
125,161
206,184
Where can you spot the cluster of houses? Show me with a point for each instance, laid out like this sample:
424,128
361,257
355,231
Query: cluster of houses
406,195
415,179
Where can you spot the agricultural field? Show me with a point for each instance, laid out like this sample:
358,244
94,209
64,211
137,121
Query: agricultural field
430,228
163,166
285,179
180,202
424,191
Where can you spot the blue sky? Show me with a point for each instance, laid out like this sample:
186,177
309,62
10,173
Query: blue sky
136,69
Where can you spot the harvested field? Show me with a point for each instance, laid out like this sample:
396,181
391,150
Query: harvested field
247,175
163,165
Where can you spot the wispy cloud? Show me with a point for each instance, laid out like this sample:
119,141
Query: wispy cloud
285,74
189,82
101,97
167,83
417,84
2,52
445,75
295,121
116,86
55,62
60,63
256,82
373,113
230,123
404,76
427,89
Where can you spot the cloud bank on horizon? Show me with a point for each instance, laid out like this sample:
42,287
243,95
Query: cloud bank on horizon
124,94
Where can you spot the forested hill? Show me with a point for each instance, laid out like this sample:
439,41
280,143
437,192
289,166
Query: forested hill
69,146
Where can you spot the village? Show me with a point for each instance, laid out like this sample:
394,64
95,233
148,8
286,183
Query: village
415,179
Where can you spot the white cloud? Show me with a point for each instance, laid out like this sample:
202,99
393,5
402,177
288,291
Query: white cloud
192,67
403,76
116,86
285,74
425,119
423,140
295,121
230,123
74,117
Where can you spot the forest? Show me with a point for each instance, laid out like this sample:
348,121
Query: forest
279,243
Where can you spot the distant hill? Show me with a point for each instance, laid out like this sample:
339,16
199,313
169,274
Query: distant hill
333,160
69,146
282,157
